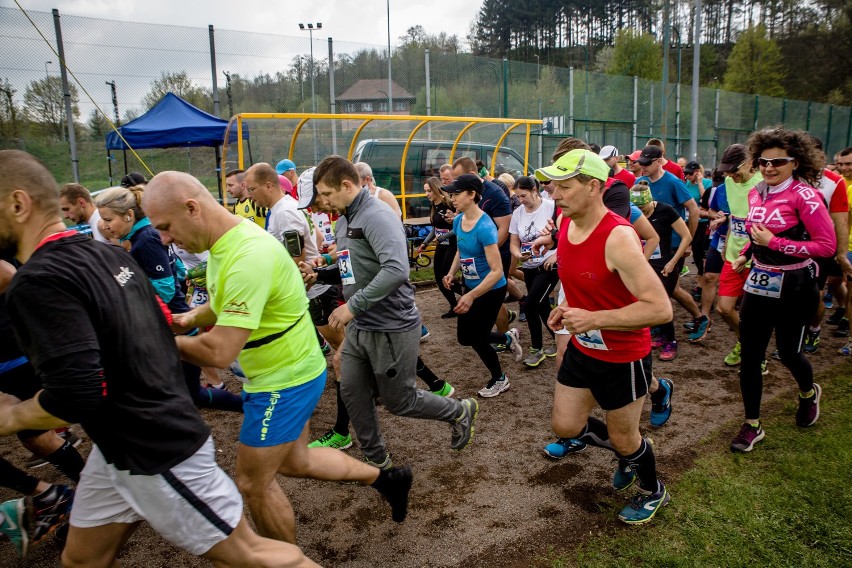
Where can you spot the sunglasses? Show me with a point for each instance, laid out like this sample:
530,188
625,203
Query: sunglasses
774,162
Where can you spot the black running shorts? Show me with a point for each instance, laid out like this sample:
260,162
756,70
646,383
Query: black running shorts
614,385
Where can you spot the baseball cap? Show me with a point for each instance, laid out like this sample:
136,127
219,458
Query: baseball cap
634,156
285,165
465,182
691,167
649,154
608,152
574,163
732,158
305,189
640,194
133,178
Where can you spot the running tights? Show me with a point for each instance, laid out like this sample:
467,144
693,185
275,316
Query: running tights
540,283
474,328
444,256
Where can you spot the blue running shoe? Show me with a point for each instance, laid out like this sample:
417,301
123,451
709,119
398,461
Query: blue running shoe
623,477
644,506
661,403
16,523
564,446
701,326
424,333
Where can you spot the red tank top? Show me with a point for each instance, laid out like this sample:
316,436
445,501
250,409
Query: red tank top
590,285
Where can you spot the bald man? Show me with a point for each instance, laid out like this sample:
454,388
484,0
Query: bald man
90,323
259,312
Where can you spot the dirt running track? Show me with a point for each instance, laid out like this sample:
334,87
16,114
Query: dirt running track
500,502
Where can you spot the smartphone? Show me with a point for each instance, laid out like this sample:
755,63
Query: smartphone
293,243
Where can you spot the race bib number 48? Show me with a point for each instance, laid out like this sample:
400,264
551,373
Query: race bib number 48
763,282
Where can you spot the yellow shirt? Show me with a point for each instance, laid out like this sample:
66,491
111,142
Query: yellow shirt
248,209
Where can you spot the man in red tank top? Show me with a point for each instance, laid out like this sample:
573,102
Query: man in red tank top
611,297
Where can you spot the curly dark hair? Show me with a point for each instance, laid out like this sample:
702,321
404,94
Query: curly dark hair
797,143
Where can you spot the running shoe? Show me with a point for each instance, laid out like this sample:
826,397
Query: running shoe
690,325
424,333
522,317
684,271
394,485
535,358
35,461
749,435
550,351
499,347
808,411
702,327
828,300
775,355
463,427
734,358
846,349
658,340
661,403
842,328
514,343
624,476
764,368
495,387
696,294
669,351
564,446
834,319
49,516
644,506
446,391
513,315
326,347
811,342
16,523
69,436
449,315
332,439
384,465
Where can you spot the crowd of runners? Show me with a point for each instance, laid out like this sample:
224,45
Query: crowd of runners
125,308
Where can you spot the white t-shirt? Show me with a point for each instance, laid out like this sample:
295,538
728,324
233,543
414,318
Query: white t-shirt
93,223
528,227
285,216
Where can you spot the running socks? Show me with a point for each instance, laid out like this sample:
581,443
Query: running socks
394,485
425,373
67,460
341,426
595,434
14,478
220,399
643,463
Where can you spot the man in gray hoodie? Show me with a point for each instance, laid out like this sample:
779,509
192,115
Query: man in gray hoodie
379,354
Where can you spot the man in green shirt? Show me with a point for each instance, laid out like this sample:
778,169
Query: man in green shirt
259,311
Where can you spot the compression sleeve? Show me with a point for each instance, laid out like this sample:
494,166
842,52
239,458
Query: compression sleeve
74,386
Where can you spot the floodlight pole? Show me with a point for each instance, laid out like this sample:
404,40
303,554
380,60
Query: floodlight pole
390,71
310,29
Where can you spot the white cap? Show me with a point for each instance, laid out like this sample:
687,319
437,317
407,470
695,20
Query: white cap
608,152
306,188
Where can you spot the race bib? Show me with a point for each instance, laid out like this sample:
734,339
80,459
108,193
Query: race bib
656,254
199,297
344,265
526,248
592,339
439,233
721,246
468,268
762,282
738,227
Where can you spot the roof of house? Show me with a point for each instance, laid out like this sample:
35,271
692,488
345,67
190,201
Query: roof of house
374,90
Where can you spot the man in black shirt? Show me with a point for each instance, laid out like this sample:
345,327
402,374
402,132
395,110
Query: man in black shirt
90,324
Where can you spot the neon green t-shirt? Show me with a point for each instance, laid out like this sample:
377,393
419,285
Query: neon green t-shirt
738,203
254,284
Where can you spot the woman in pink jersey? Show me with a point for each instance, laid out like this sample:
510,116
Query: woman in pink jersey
788,225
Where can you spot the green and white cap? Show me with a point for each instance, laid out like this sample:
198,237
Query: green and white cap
574,163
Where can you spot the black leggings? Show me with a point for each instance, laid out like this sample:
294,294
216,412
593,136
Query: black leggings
789,317
444,256
474,328
540,283
669,283
698,247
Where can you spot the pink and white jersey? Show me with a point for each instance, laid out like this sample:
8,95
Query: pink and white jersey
833,190
796,213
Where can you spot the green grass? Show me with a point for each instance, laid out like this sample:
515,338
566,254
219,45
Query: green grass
423,274
787,503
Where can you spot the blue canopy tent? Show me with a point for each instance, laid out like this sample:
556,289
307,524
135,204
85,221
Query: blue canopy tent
172,123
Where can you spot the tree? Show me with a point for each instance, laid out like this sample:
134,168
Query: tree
44,103
8,111
755,65
636,53
181,85
98,125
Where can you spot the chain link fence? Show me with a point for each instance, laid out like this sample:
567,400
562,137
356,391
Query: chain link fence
291,73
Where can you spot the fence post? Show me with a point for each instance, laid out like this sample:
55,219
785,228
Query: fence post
827,144
216,149
331,96
428,94
696,65
571,100
849,130
677,120
651,112
635,111
756,110
505,88
716,126
784,110
808,119
69,116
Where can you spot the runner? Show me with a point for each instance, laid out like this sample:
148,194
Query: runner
258,310
612,296
106,357
440,208
788,225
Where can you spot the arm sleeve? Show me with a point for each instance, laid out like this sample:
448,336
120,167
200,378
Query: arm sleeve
815,217
429,238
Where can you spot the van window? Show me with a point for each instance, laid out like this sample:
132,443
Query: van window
506,162
434,157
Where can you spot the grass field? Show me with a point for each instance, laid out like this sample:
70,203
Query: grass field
787,503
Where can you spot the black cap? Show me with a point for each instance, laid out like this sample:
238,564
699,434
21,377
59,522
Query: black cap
691,167
465,182
133,178
733,157
649,154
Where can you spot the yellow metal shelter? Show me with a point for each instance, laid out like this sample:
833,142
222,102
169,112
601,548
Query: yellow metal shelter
294,131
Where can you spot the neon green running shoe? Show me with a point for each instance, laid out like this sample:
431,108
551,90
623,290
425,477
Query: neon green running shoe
733,358
446,391
332,439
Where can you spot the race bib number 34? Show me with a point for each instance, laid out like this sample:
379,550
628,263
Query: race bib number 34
763,282
468,268
344,265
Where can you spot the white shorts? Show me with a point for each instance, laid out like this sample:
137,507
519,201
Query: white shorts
559,301
195,504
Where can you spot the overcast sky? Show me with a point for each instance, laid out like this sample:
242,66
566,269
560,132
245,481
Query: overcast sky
363,21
